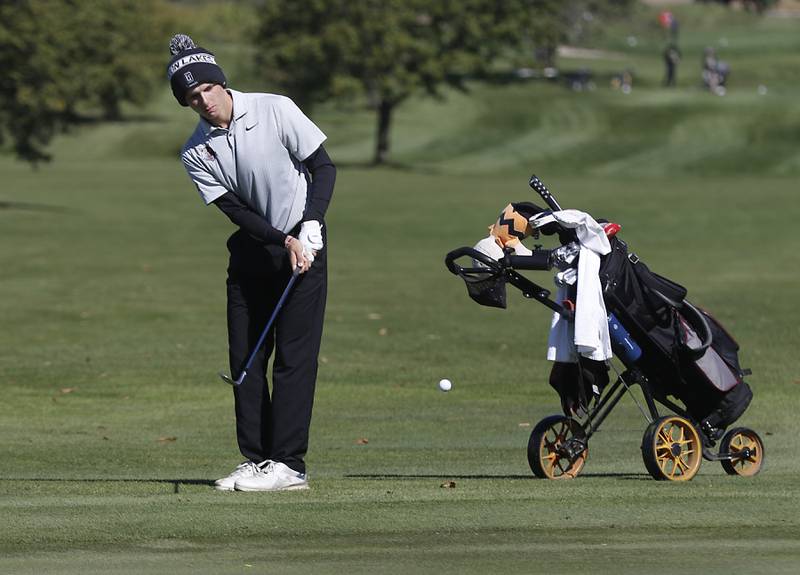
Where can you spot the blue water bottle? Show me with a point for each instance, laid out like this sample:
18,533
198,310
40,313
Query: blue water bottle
621,341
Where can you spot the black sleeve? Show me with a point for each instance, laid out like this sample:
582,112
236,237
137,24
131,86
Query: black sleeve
323,177
251,222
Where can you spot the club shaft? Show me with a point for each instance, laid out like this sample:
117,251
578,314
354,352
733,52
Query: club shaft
267,327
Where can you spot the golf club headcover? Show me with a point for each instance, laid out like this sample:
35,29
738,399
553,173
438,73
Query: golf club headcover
512,226
611,229
488,246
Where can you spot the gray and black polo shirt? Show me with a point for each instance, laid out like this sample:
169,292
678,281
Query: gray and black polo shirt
258,157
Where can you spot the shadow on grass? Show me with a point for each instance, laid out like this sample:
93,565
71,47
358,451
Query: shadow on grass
176,483
628,476
26,206
389,165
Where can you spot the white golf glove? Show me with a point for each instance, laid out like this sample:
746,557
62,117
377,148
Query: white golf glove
311,237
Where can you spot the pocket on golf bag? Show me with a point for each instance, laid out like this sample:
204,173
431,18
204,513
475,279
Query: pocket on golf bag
730,406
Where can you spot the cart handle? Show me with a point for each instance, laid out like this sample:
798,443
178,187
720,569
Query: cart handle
456,269
526,286
539,260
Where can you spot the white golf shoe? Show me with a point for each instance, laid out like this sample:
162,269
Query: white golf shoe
245,469
273,476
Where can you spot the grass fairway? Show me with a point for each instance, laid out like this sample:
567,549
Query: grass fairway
114,423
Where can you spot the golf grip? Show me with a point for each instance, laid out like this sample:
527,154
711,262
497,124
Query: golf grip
542,190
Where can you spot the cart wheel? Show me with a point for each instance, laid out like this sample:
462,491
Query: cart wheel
671,449
746,449
557,448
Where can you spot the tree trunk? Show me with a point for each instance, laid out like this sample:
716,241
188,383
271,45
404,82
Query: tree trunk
385,108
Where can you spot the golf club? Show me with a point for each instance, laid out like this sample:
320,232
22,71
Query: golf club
539,187
236,382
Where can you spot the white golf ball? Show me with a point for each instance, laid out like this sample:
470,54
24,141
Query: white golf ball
445,385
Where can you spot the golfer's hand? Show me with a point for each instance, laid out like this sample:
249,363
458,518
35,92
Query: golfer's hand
311,237
296,254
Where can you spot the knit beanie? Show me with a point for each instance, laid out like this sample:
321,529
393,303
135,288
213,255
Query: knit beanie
190,66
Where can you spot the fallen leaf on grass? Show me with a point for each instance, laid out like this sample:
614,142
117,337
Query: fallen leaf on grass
362,441
383,331
448,485
167,439
524,424
66,390
374,316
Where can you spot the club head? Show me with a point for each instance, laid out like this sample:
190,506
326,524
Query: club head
229,380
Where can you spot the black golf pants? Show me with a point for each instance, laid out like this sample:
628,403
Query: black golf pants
274,426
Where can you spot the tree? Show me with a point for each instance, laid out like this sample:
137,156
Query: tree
385,49
391,49
122,45
61,56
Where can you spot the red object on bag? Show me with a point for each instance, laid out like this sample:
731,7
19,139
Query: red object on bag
611,229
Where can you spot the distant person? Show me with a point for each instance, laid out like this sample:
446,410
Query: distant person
670,24
623,81
260,160
672,57
714,72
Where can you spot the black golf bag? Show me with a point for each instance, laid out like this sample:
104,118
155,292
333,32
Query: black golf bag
686,353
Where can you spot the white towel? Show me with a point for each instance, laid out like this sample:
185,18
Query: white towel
588,334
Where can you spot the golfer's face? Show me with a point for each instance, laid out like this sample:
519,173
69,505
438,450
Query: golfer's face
210,101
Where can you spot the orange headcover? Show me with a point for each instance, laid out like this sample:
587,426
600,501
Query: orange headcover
511,227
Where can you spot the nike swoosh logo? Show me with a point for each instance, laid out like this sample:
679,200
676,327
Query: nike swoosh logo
248,128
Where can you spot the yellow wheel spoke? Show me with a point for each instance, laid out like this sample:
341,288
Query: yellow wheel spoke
675,449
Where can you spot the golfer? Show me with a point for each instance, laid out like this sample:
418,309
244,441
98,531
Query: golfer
260,160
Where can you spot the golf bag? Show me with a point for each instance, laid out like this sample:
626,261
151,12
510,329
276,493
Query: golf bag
686,352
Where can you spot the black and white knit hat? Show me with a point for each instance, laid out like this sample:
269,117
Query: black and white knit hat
191,65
